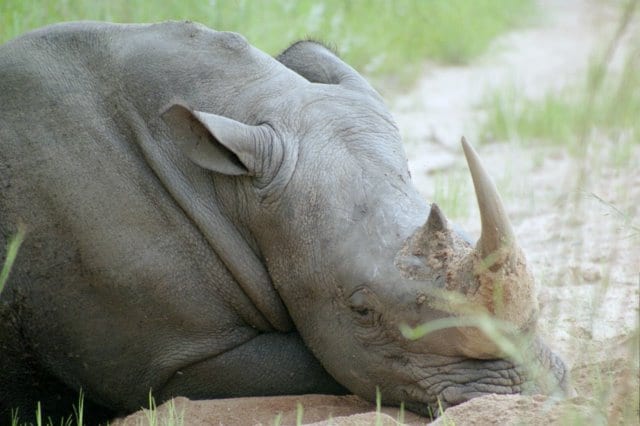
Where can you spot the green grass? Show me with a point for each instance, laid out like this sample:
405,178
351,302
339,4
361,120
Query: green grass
378,37
453,190
165,416
12,252
574,115
605,105
170,416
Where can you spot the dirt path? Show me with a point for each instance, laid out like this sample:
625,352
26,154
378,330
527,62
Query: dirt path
547,56
569,224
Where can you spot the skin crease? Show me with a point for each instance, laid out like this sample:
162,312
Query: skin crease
261,265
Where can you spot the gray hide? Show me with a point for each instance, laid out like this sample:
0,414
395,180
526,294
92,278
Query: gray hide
203,220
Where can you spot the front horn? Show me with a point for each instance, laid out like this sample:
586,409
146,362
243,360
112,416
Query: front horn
504,284
497,235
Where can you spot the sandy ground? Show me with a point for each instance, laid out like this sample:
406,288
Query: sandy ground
573,217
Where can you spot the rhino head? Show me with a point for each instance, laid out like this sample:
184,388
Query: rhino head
385,263
360,261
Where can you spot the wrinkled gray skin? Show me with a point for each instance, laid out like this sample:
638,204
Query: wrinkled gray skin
204,220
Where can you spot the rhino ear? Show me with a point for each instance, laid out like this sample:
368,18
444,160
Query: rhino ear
217,143
319,64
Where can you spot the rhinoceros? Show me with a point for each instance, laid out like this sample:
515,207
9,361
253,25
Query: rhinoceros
205,220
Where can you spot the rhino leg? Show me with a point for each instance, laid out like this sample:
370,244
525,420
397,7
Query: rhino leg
269,364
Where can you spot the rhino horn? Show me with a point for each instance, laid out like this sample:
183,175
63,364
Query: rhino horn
490,278
432,230
497,234
505,287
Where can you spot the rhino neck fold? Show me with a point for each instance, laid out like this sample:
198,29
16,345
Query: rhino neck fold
193,191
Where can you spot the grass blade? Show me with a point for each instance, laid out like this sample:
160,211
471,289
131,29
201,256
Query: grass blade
12,252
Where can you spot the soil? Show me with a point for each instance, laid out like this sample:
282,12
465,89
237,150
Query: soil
576,218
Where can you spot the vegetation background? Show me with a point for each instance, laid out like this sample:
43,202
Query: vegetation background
378,37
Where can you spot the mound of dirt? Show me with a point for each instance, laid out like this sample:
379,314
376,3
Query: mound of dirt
517,410
316,410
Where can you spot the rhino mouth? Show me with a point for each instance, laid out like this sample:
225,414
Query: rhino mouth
464,379
450,381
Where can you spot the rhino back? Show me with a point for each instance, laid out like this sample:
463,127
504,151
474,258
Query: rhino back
112,271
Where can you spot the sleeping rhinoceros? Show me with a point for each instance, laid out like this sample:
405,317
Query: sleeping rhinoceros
205,220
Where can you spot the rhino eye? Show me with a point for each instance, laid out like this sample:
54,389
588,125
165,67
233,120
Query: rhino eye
363,312
359,302
364,316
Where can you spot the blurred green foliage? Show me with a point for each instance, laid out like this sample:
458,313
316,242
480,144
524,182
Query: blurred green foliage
379,37
603,107
569,116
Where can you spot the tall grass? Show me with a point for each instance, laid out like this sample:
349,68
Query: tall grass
12,253
169,417
597,121
605,105
379,37
561,118
166,415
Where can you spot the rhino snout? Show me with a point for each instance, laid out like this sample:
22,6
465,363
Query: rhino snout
447,382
